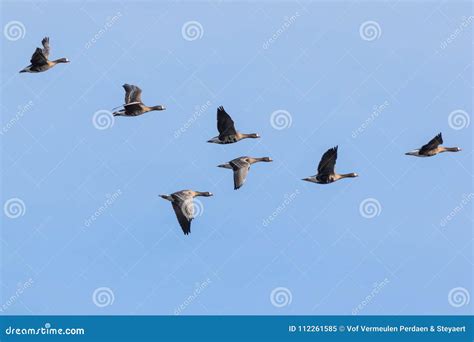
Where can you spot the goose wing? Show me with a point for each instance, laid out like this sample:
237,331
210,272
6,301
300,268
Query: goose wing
38,58
133,94
328,162
46,48
241,170
184,211
434,143
225,124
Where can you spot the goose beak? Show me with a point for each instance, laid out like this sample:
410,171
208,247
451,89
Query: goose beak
306,179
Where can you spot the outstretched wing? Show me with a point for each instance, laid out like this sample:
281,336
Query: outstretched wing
328,162
241,170
225,124
38,58
133,94
434,143
184,214
46,47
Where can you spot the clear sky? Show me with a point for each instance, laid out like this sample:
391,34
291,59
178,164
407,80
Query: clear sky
91,235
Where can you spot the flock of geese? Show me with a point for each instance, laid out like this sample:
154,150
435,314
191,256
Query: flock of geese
182,201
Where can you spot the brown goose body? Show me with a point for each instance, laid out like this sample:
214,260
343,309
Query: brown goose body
432,148
133,103
39,60
241,166
182,202
227,132
326,169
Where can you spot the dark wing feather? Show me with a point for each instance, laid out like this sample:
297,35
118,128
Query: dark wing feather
46,48
136,95
133,94
184,221
38,58
128,90
225,124
328,162
434,143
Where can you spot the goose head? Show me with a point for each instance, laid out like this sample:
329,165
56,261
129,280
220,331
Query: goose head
204,193
62,60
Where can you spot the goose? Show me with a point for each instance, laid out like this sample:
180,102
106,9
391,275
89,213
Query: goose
326,173
227,132
182,202
39,61
241,167
432,148
133,103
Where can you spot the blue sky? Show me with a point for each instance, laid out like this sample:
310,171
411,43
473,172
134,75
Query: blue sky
315,65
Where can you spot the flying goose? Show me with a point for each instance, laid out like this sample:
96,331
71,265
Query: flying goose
241,167
133,103
326,173
432,148
39,61
182,202
226,128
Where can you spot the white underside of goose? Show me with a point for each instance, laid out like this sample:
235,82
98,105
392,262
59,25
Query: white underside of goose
415,153
311,179
28,69
215,140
